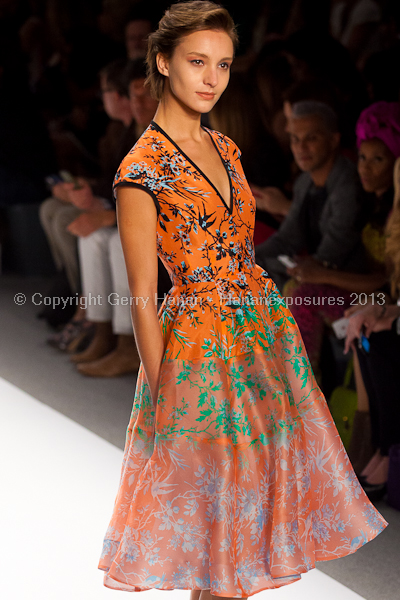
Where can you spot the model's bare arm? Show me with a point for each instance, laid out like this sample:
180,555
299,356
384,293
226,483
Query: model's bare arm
137,224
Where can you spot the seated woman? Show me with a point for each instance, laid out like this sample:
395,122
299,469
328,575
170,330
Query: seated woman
378,140
380,363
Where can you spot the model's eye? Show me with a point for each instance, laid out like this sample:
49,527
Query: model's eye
197,61
225,66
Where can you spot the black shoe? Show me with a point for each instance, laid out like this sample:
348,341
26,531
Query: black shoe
375,491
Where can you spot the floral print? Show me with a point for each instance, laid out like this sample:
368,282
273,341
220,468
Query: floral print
238,481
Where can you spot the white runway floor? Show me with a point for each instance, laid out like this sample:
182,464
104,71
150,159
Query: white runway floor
58,485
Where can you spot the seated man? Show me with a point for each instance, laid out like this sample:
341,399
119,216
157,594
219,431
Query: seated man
58,211
112,351
323,220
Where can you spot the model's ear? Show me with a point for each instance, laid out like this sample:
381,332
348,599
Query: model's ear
162,64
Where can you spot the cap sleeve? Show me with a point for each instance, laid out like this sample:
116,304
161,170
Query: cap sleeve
233,147
237,149
135,172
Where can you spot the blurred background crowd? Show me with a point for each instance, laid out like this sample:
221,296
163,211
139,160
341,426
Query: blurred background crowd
314,105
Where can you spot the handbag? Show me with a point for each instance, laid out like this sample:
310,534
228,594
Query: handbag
343,406
393,481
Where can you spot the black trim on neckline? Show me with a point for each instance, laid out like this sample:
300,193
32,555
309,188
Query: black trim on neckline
161,130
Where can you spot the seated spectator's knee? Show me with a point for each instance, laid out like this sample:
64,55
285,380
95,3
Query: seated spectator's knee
48,209
63,217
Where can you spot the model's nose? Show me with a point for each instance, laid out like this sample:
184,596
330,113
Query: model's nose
210,77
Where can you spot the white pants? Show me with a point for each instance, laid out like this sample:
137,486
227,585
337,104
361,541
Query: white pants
104,279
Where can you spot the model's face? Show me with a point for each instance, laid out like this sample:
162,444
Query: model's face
311,143
375,166
143,106
198,71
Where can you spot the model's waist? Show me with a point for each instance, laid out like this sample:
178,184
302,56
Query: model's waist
243,282
202,277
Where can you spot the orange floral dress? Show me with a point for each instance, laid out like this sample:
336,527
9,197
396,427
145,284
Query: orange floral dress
238,481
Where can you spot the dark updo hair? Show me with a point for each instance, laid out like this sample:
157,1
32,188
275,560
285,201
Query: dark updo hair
179,20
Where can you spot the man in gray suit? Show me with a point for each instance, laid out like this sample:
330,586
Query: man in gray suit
323,220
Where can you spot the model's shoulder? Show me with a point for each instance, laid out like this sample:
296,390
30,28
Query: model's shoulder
143,162
225,142
142,165
147,149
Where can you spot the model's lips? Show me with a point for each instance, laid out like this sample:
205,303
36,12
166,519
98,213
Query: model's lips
205,95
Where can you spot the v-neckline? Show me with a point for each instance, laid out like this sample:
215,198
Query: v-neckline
229,209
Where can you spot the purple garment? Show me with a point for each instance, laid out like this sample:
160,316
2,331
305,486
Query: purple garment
381,120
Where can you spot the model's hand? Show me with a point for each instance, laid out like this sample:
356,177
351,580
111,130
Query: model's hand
88,222
271,199
307,270
82,197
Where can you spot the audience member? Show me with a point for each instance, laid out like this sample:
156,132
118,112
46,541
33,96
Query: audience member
269,76
112,351
76,134
331,63
322,90
378,140
374,332
355,23
323,219
58,212
137,29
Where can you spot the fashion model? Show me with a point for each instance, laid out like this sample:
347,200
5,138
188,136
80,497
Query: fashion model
234,477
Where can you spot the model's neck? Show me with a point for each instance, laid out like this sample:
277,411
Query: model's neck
178,120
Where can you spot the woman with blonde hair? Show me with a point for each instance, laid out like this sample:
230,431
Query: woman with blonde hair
234,478
374,332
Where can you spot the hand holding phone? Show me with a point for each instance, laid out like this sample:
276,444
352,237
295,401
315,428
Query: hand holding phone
340,328
364,344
